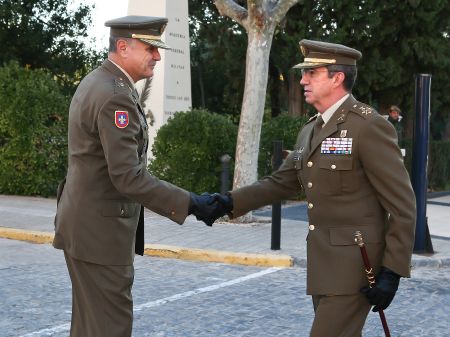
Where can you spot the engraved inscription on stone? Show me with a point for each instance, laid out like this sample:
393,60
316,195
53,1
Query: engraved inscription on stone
171,84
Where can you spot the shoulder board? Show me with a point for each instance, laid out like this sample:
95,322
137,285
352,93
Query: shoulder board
363,110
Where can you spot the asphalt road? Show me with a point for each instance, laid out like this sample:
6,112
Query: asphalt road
195,299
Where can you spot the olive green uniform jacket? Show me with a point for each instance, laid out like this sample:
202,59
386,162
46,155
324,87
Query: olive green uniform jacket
367,190
99,208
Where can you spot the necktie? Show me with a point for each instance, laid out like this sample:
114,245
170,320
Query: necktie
317,128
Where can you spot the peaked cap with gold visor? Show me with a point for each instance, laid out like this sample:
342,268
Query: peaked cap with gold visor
147,29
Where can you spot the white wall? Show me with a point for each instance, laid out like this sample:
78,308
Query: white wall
171,85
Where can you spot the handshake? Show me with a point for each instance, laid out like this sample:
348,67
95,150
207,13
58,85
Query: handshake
209,207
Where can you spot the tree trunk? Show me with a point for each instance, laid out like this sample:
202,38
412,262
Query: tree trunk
259,20
252,112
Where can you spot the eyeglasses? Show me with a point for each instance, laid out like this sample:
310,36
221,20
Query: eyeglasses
312,72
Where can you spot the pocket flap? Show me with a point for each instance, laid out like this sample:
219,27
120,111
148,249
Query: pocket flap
345,236
336,163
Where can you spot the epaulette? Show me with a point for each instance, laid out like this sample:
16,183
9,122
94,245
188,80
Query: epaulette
363,110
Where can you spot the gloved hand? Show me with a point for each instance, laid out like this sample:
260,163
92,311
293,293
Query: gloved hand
225,200
206,207
382,294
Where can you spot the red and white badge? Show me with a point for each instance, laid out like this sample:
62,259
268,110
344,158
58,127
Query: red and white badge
122,119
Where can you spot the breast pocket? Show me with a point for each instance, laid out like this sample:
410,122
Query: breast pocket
333,170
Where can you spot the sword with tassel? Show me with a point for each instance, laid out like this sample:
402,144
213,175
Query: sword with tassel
370,277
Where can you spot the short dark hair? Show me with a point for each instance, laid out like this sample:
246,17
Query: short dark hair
350,72
113,42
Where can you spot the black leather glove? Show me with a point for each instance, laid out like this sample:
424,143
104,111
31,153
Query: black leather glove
225,200
206,207
382,294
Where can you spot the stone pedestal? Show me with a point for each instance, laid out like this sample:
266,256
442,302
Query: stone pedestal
171,84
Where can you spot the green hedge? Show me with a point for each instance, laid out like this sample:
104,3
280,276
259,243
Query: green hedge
33,132
188,148
283,127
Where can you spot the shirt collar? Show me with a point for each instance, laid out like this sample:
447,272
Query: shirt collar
126,74
332,109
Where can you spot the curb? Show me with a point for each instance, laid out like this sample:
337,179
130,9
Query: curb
26,235
157,250
219,256
210,255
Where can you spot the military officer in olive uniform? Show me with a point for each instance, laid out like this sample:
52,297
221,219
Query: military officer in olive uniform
347,161
99,222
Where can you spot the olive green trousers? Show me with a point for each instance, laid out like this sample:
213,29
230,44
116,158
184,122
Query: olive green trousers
102,304
339,316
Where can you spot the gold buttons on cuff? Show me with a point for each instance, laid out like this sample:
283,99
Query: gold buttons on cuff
333,167
309,184
311,227
310,164
172,213
310,205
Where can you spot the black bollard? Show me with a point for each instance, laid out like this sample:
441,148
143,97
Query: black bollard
422,242
225,174
277,159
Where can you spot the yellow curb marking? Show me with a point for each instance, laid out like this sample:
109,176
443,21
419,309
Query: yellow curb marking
174,252
26,235
210,255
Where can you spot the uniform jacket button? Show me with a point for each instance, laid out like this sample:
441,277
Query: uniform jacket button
311,227
333,167
172,213
122,212
309,184
310,164
310,205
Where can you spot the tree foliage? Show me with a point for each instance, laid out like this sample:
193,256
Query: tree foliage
397,39
218,47
45,34
33,129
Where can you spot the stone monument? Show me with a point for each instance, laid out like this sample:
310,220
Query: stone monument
171,85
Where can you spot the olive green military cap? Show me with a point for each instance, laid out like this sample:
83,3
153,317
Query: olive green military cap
320,54
147,29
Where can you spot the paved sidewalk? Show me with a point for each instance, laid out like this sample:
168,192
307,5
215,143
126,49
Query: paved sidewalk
31,219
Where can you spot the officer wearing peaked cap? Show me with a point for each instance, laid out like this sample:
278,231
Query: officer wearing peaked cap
347,161
99,221
145,28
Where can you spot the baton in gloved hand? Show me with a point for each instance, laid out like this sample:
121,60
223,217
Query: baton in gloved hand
370,277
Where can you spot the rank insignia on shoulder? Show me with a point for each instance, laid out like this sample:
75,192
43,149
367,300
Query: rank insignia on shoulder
119,82
121,119
365,110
